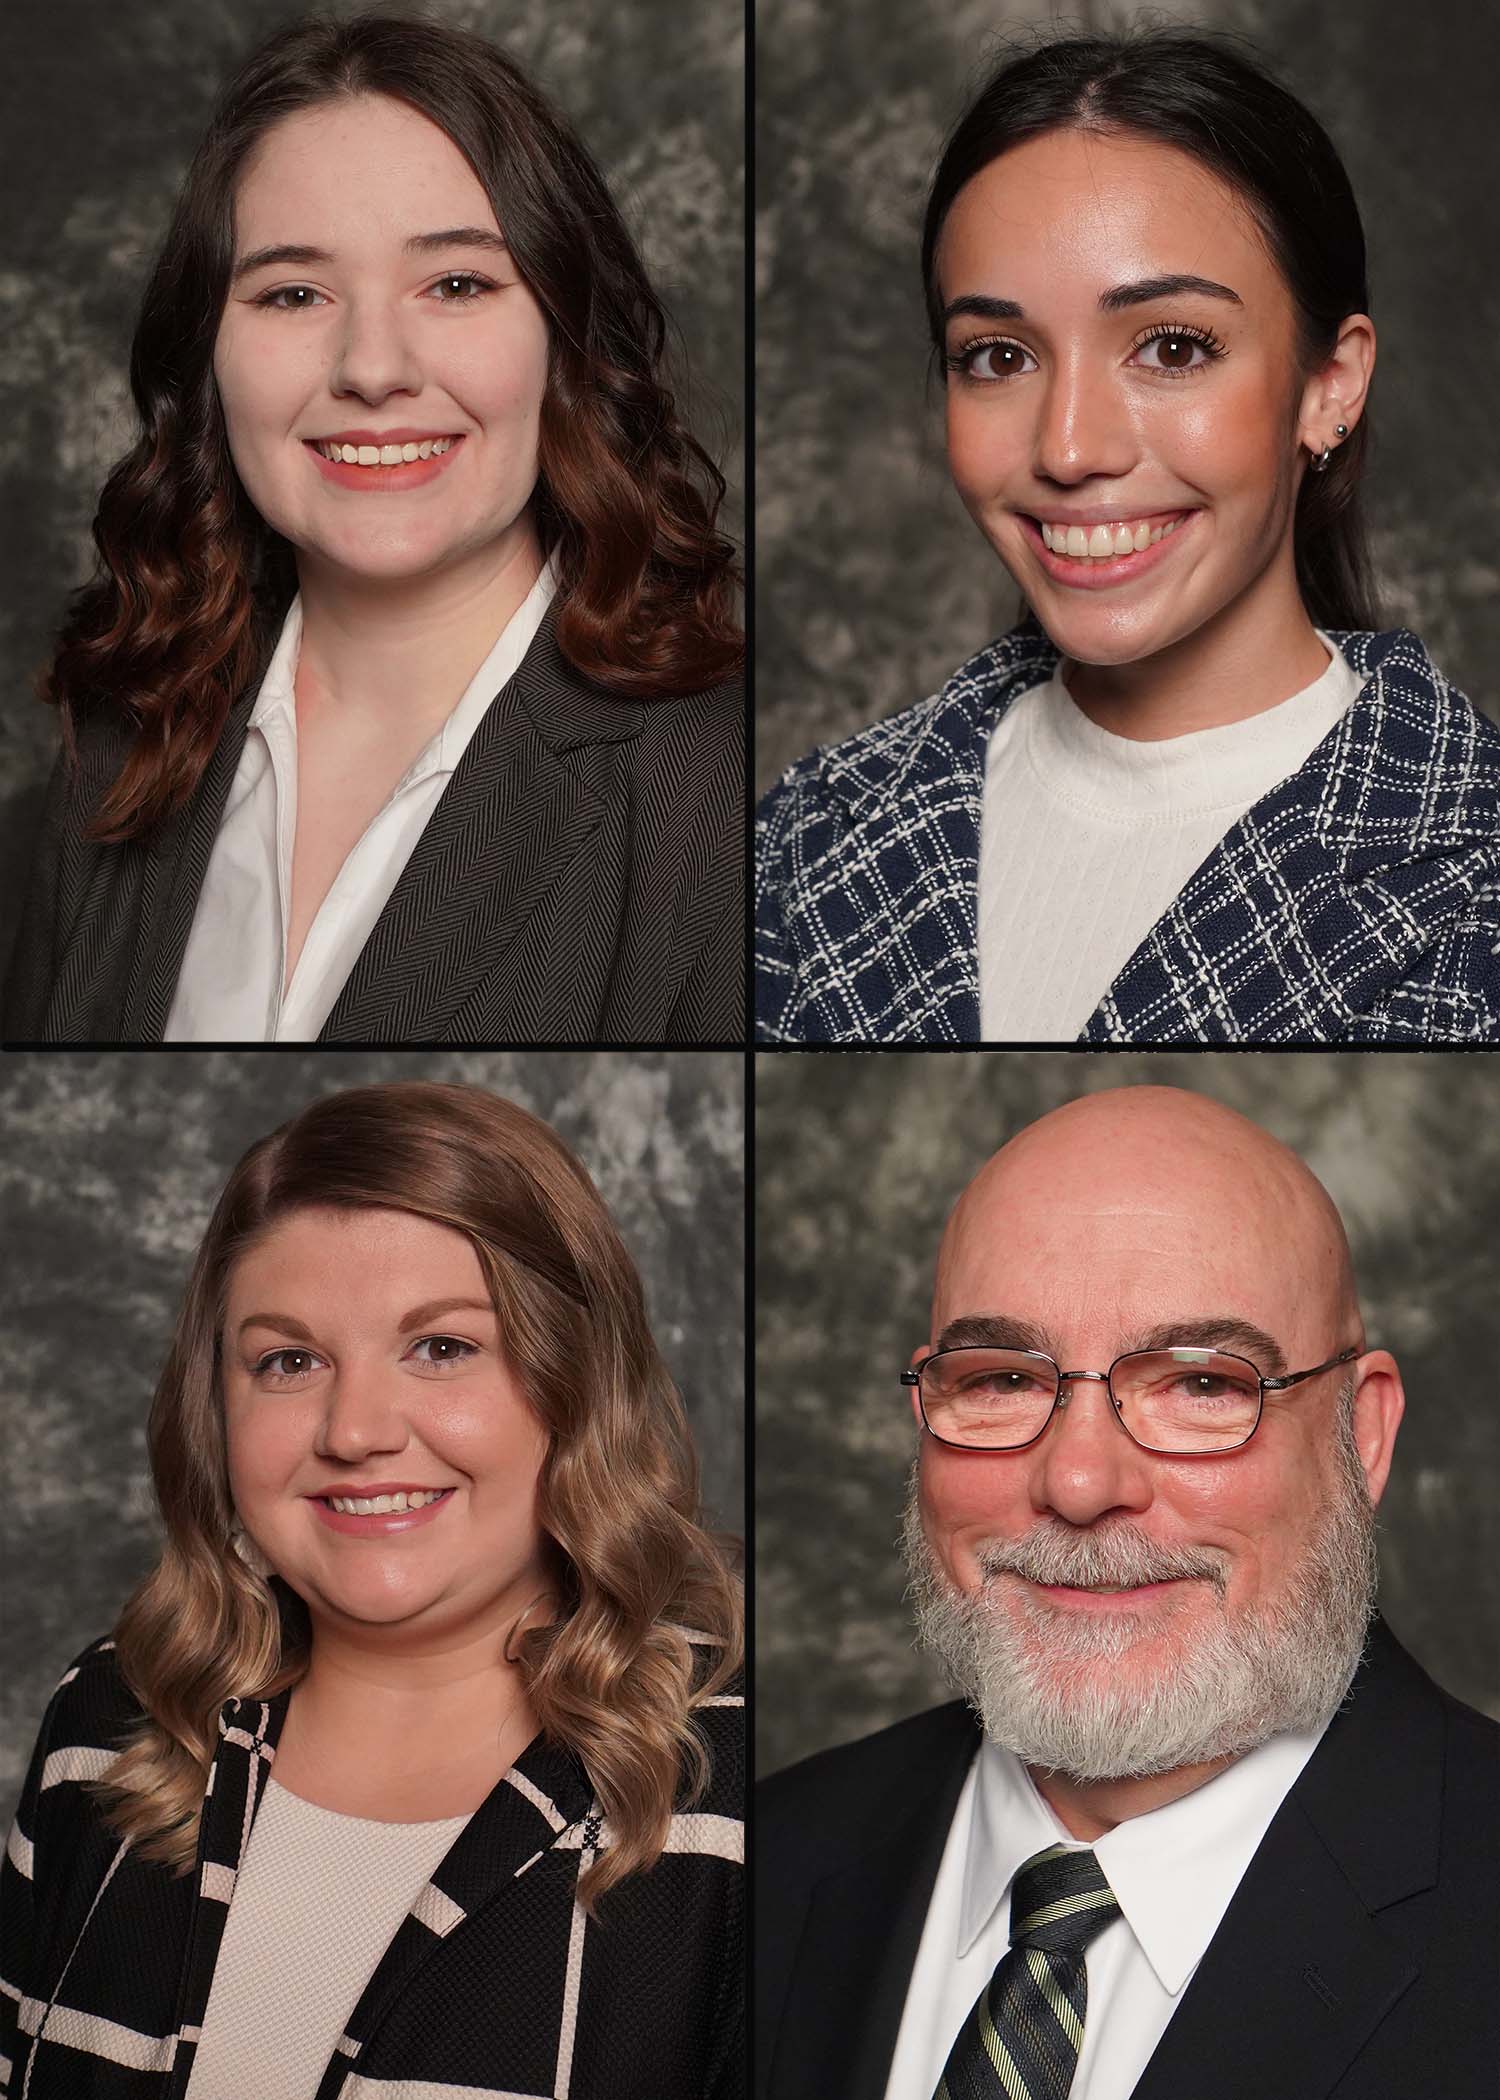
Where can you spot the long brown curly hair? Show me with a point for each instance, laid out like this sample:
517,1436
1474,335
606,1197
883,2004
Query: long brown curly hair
648,1619
192,585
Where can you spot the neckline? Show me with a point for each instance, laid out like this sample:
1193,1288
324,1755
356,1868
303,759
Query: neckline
373,1822
1125,779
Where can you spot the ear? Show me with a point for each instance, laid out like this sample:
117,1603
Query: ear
918,1357
1379,1403
1336,392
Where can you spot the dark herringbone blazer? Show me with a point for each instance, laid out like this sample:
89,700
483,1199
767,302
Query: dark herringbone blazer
495,1983
1357,1960
1357,902
581,880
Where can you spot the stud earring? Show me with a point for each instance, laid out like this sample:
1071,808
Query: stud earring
1321,462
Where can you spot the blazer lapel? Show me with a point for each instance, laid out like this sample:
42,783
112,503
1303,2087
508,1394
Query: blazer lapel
172,869
537,1806
1294,1982
1319,899
1299,1974
521,803
907,857
249,1730
866,1920
1327,891
534,1810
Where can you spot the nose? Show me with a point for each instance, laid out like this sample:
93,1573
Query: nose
362,1415
374,356
1084,1463
1083,426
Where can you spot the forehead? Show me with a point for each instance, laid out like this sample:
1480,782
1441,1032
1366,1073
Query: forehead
1063,217
1101,1255
355,1256
367,164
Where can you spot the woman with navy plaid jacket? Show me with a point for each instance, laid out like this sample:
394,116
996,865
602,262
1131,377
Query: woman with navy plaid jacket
1200,793
416,1763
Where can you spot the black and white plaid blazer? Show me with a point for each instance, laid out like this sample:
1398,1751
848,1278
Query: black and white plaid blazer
494,1983
581,880
1358,902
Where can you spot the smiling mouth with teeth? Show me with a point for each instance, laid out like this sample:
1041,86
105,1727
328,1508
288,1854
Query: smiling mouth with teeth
1106,542
382,455
384,1505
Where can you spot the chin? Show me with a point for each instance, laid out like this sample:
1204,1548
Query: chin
1103,637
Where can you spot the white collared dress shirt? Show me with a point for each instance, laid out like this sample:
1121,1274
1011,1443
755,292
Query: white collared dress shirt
232,987
1173,1872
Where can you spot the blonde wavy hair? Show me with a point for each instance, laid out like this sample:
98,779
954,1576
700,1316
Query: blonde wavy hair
649,1610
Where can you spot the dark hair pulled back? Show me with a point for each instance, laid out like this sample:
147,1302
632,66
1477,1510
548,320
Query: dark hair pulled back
1204,95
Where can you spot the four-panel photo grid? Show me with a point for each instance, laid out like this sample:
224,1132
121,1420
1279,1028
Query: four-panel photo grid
749,1051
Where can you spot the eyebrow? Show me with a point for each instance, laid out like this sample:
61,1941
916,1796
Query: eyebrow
424,1315
1218,1331
1111,302
419,1316
419,244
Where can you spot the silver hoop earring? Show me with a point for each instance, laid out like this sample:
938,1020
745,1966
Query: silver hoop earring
1321,462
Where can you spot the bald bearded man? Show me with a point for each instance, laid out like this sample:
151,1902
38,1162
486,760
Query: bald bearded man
1201,1828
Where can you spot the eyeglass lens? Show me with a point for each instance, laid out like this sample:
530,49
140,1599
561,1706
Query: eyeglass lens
1179,1400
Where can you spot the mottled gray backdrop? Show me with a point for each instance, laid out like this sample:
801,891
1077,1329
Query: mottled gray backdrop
871,582
110,1164
858,1159
101,108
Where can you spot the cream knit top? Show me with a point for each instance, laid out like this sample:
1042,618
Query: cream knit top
1086,839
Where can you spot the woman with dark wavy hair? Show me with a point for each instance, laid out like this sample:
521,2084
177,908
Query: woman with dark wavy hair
416,1762
1198,793
406,704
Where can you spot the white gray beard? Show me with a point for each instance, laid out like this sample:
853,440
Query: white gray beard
1045,1679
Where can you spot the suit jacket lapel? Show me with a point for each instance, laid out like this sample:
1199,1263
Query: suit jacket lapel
1327,891
908,857
532,1810
1320,897
172,868
845,2007
1299,1973
1294,1982
520,804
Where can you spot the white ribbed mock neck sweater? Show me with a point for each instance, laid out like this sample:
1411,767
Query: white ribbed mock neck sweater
1087,838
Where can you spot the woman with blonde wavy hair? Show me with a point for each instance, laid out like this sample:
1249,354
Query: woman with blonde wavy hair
416,1762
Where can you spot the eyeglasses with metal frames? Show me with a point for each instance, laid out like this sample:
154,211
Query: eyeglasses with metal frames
1148,1387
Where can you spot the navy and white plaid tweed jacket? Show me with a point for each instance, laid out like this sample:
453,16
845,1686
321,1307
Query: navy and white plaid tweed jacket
1358,902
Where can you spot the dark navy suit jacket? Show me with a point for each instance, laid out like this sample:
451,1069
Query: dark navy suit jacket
1358,902
1358,1959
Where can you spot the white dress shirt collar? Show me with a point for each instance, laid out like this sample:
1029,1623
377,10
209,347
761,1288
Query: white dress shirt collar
230,987
442,751
1173,1870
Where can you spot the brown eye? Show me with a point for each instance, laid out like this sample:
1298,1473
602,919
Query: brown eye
1176,349
286,1363
1179,353
988,359
445,1349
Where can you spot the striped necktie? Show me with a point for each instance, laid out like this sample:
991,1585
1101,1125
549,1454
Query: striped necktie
1022,2037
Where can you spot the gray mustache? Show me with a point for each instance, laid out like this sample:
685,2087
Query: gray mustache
1089,1571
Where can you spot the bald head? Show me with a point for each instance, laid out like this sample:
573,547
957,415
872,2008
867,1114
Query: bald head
1145,1198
